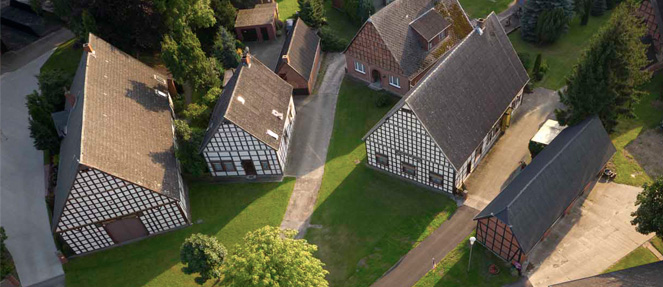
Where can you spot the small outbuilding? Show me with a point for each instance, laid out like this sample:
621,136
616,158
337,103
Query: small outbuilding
523,213
258,23
300,59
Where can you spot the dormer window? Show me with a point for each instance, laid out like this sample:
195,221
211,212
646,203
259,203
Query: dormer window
430,27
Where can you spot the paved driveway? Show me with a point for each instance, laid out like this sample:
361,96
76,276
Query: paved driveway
23,209
596,234
267,52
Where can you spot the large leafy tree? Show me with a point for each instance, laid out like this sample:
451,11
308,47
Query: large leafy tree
187,62
312,12
607,77
533,10
272,257
649,215
204,255
225,13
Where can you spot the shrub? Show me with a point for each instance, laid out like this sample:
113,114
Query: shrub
525,60
204,255
312,12
330,41
535,148
188,154
532,10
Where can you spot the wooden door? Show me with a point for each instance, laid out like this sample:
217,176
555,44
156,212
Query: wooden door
248,167
126,229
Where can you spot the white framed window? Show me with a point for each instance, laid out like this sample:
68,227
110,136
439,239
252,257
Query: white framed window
359,67
395,81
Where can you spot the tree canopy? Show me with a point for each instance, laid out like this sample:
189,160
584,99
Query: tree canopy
272,257
312,12
649,215
204,255
533,9
187,62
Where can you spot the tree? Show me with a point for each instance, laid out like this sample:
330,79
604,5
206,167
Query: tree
194,14
6,263
42,128
225,50
551,25
204,255
187,151
272,257
187,62
197,114
583,8
599,7
536,70
86,26
533,10
312,12
649,215
606,80
225,13
52,84
331,42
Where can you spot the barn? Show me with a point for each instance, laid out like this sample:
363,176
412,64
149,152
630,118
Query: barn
439,132
257,23
300,59
251,125
523,213
118,179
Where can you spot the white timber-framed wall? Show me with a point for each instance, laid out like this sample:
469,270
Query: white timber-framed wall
233,144
97,198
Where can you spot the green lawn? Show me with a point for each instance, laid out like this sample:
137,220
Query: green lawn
657,242
228,211
481,8
648,116
66,58
562,55
287,8
452,270
339,22
637,257
369,219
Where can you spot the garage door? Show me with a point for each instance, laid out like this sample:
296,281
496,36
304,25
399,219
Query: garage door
126,229
250,35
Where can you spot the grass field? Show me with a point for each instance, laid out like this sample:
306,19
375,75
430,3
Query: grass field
65,57
481,8
287,8
562,55
648,116
339,22
637,257
657,242
369,219
227,211
452,270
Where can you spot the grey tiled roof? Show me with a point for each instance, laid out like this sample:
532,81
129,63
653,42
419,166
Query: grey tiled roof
393,24
466,93
263,91
120,124
430,24
648,275
300,47
261,14
538,196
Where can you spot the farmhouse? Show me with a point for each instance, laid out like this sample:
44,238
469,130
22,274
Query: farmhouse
251,124
257,23
396,46
118,179
523,213
440,130
300,59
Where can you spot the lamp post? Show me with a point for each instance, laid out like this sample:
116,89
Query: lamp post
472,240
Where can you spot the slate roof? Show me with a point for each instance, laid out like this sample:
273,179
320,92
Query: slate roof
648,275
261,14
538,196
300,47
119,125
263,91
465,94
393,24
430,24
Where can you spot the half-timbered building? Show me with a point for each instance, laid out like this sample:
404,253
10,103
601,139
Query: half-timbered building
399,44
251,125
522,214
438,133
300,58
118,179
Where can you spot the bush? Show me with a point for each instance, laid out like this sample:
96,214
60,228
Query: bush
525,60
312,12
382,101
204,255
187,153
535,148
6,263
330,41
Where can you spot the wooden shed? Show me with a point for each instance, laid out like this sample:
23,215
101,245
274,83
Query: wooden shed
258,23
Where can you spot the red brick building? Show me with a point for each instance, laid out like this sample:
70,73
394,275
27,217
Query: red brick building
651,11
257,24
397,45
300,59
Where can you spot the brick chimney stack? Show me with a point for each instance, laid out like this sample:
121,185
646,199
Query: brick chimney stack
286,59
246,59
88,48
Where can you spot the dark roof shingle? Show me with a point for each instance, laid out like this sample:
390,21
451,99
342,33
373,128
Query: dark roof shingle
300,47
261,14
430,24
648,275
533,201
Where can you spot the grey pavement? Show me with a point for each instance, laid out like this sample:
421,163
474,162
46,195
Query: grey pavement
416,263
308,150
13,60
23,211
501,164
267,52
593,236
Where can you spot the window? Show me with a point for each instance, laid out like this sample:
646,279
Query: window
409,169
435,178
382,159
359,67
264,164
430,45
443,35
224,165
395,81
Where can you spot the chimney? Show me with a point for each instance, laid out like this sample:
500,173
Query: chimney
286,59
479,26
70,99
246,59
88,48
